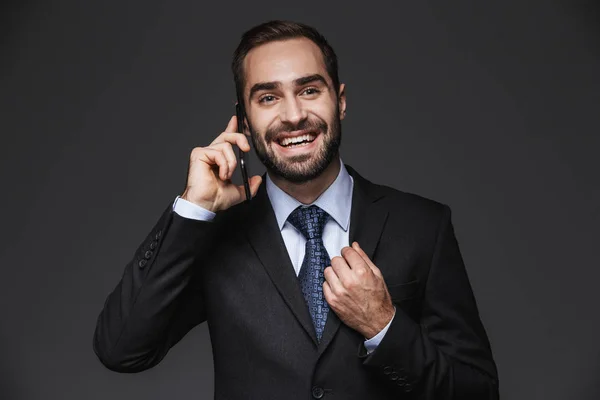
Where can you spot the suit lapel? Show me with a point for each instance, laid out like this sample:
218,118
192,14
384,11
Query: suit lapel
367,220
265,237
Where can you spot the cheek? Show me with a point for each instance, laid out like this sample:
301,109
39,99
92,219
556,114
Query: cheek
261,121
257,126
325,111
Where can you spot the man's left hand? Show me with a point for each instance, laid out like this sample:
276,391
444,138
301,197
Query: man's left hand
356,291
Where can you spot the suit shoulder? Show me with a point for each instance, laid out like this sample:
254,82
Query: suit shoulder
411,206
398,200
412,201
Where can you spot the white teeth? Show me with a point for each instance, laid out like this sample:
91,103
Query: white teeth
297,139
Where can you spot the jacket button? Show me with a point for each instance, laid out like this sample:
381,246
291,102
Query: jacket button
158,234
317,392
394,376
407,388
152,245
387,370
148,254
142,263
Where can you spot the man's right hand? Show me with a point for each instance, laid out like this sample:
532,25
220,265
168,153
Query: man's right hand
209,174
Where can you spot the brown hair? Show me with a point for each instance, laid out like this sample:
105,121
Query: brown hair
280,30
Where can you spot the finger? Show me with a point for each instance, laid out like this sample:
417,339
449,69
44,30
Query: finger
232,125
334,281
229,155
365,257
342,270
254,183
355,261
216,157
238,139
328,293
362,254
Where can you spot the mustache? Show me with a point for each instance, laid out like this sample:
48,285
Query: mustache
312,125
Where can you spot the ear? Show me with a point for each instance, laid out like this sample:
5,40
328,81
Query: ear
246,126
342,100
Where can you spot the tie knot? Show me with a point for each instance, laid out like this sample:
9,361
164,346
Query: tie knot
310,221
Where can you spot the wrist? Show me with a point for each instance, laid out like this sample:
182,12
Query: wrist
208,205
379,324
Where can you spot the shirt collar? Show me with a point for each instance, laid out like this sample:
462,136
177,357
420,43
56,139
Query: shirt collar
336,200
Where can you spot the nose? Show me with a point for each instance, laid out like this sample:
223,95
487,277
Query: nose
292,111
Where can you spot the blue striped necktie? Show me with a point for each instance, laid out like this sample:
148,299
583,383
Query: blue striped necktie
310,221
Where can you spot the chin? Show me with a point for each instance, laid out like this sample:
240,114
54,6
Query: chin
301,168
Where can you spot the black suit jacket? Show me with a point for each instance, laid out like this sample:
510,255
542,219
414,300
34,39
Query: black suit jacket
235,273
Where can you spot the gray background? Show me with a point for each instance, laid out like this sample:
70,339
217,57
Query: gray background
490,108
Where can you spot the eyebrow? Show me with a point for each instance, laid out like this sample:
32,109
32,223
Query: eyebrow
298,82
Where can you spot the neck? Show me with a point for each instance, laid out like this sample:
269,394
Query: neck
307,192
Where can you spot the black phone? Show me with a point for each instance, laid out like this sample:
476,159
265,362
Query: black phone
239,113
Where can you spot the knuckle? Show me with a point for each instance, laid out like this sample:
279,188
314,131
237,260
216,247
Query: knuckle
332,299
346,251
196,152
224,145
343,293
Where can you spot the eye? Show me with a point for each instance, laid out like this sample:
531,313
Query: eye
266,99
311,90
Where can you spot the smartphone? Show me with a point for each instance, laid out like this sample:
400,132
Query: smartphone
239,113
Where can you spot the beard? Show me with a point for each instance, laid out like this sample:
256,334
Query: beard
302,167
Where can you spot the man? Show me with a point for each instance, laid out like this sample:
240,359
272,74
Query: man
324,285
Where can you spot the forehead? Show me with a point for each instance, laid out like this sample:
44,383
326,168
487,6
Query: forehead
283,61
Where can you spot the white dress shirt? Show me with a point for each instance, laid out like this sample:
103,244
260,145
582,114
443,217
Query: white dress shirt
336,200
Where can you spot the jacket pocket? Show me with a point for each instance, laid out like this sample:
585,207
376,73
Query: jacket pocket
403,291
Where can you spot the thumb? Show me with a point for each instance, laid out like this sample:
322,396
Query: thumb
255,182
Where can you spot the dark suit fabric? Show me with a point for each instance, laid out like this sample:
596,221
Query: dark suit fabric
235,273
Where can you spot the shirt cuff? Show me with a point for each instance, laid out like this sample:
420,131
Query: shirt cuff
371,344
187,209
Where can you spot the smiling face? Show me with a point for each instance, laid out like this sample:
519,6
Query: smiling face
292,108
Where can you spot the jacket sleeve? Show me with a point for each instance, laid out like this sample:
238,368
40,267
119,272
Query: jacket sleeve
446,355
159,297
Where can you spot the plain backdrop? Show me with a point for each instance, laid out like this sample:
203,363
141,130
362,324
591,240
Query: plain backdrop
490,107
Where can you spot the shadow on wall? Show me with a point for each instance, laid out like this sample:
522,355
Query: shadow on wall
593,392
590,11
13,14
8,381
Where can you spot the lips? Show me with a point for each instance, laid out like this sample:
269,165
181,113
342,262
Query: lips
302,139
288,138
299,147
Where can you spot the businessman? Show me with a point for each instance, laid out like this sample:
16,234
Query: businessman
324,284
